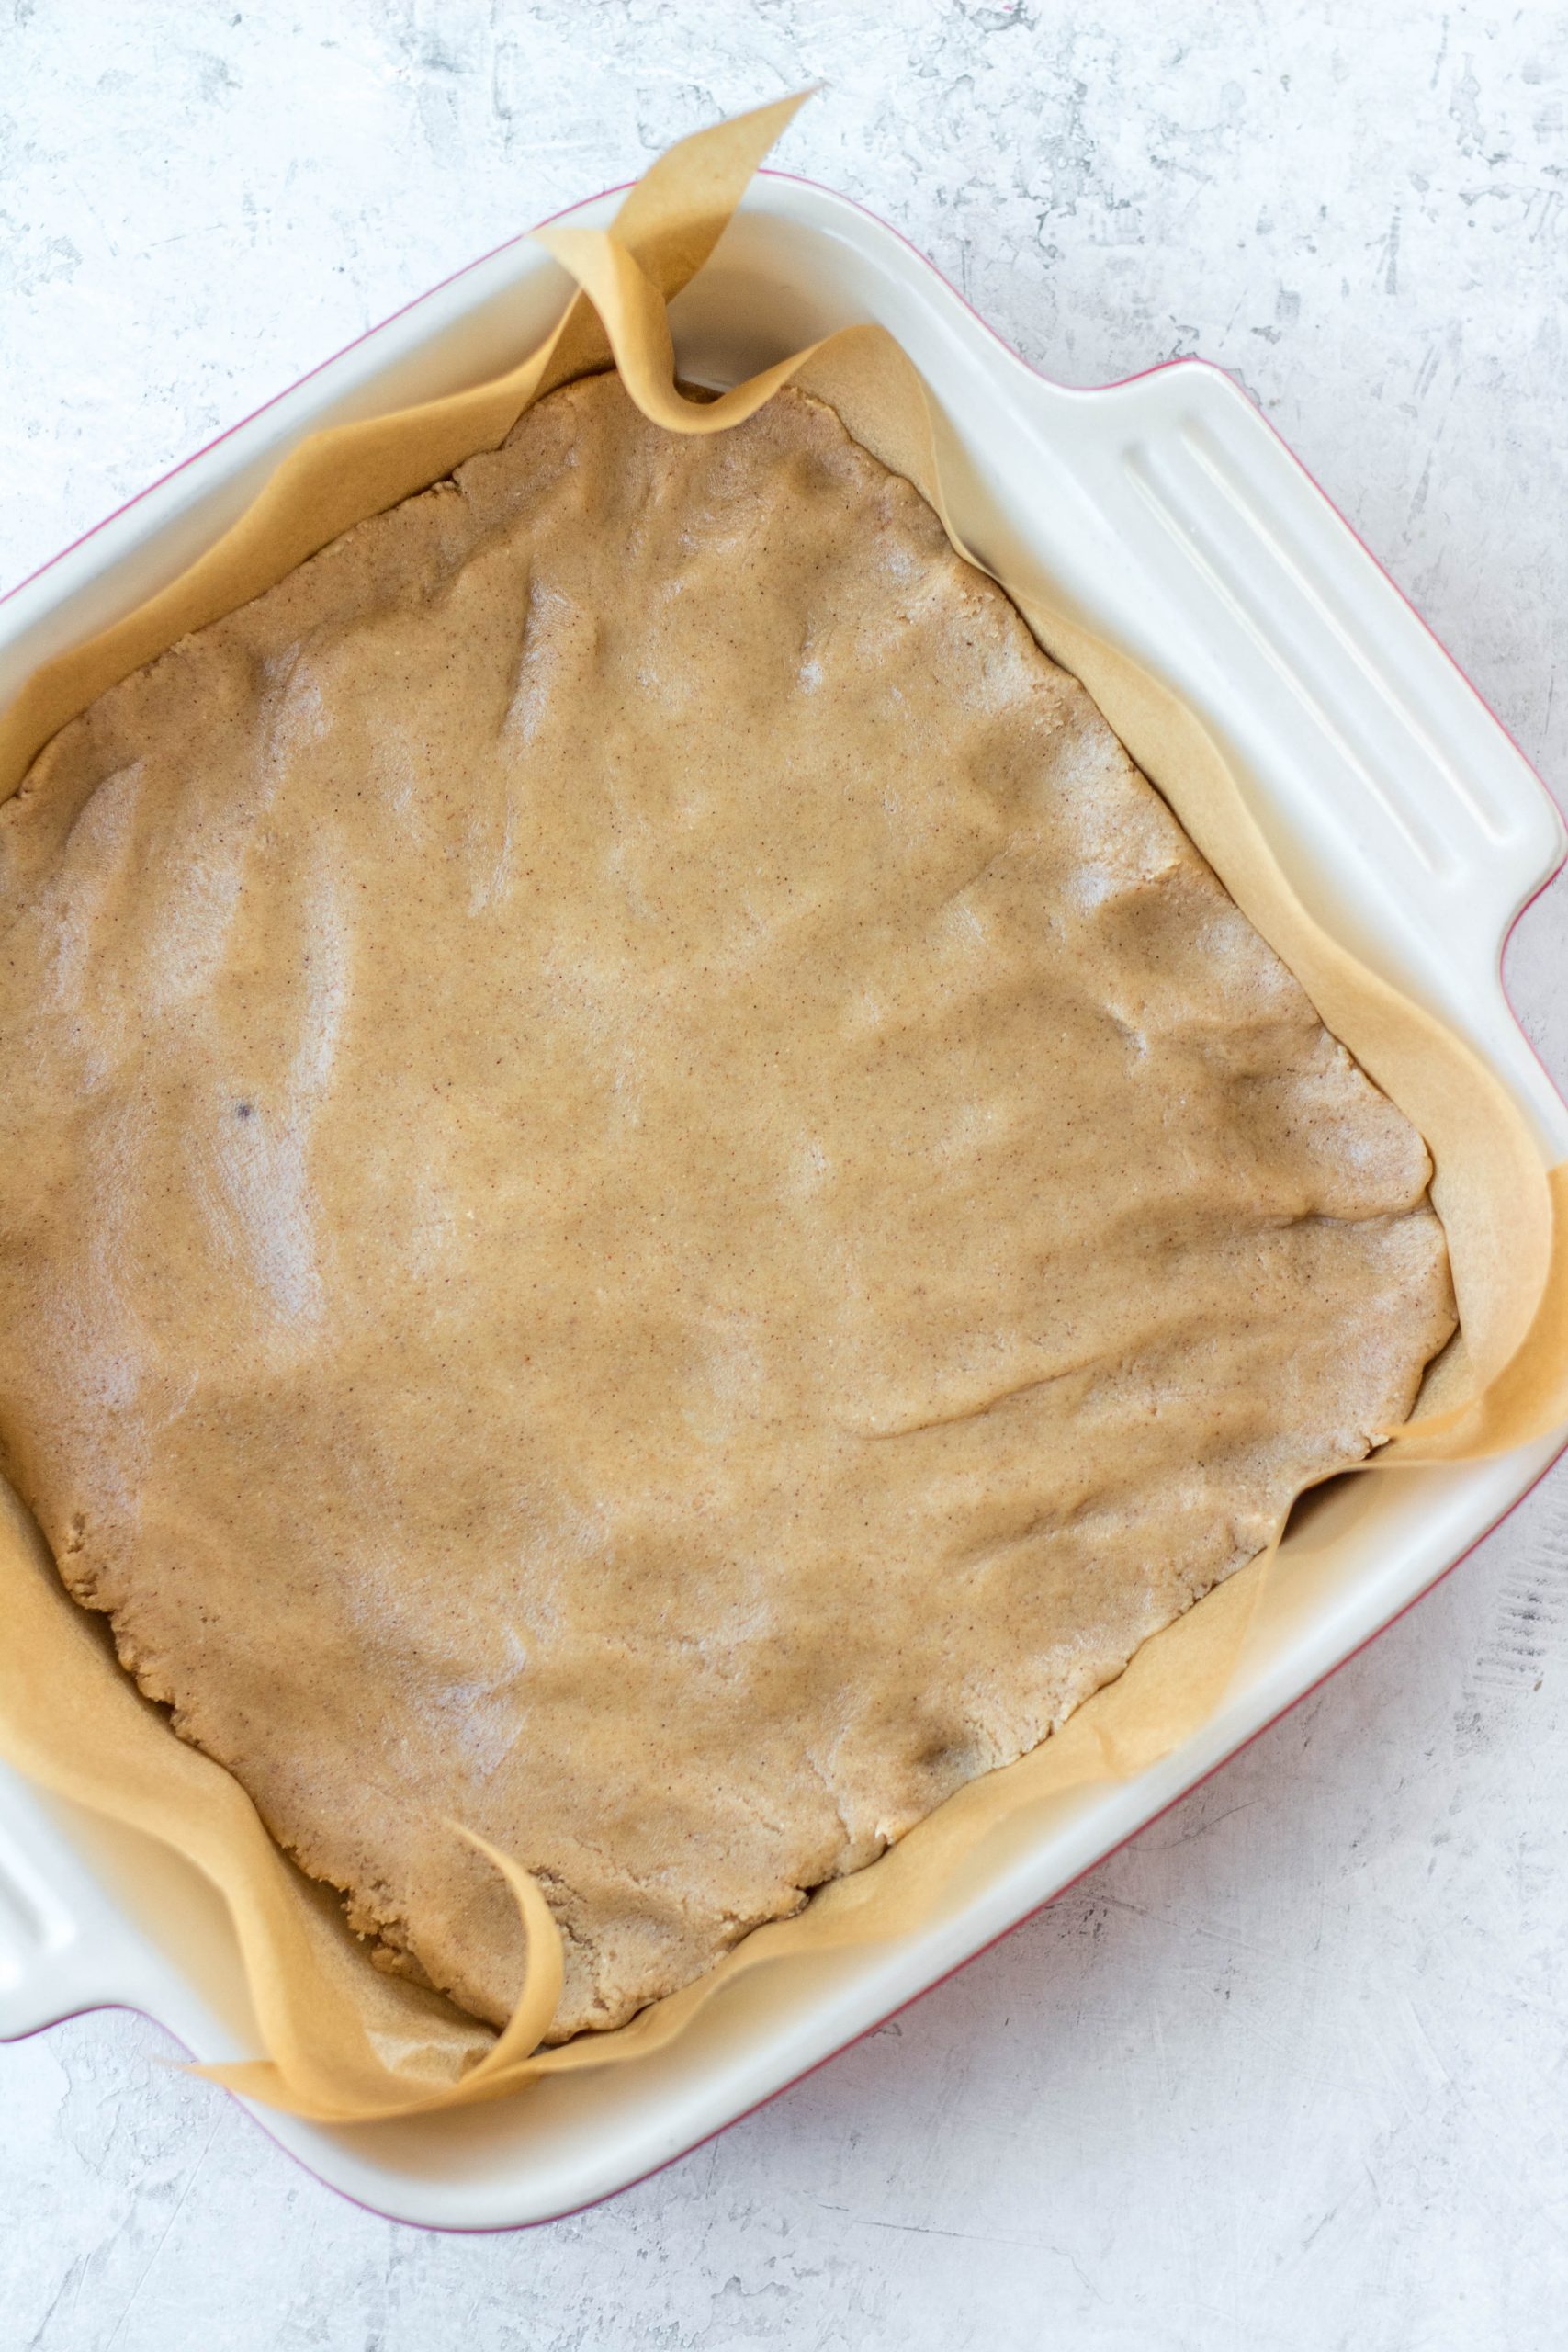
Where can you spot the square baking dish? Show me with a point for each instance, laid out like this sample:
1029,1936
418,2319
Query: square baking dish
1173,522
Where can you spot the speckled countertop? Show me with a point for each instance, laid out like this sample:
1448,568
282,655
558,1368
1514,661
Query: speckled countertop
1288,2074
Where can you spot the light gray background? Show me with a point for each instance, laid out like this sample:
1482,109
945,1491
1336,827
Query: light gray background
1288,2072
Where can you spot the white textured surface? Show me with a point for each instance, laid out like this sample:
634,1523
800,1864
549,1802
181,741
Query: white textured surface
1287,2073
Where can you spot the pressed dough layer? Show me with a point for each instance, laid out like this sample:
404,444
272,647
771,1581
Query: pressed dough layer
647,1199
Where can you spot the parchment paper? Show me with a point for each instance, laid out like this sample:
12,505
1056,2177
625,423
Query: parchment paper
344,2042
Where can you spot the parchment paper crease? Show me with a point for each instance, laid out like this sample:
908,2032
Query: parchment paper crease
343,2042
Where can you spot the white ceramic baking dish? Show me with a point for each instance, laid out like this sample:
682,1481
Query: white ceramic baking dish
1174,520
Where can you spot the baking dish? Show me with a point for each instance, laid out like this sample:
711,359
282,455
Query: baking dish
1172,522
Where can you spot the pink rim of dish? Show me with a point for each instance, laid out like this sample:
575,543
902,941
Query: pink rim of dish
1161,368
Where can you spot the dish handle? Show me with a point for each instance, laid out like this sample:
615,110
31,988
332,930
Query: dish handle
47,1966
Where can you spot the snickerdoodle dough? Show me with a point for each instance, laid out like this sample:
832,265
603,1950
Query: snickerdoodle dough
647,1199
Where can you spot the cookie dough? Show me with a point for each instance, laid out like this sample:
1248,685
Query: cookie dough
647,1199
